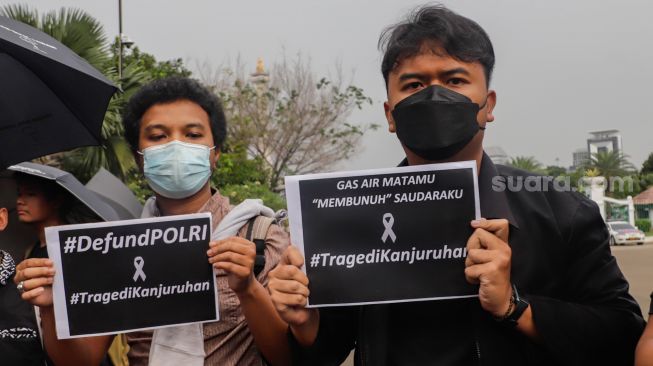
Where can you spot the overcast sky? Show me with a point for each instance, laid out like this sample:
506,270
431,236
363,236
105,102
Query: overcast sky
564,68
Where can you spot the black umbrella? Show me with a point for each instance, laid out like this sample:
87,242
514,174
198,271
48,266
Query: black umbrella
51,99
72,185
116,194
18,237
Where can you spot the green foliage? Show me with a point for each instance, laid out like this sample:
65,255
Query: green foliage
527,163
555,171
647,167
239,177
611,164
645,181
235,169
238,192
137,183
643,224
76,29
148,63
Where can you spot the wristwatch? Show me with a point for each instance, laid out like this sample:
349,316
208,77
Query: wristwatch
519,304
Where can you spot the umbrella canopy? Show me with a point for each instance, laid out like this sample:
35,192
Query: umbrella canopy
51,99
70,184
115,193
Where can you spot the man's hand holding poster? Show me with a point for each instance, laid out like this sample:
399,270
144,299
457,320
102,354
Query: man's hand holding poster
385,235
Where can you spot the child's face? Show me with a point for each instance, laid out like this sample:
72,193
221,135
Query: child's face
33,206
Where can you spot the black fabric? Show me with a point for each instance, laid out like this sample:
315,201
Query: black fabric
650,310
19,341
57,100
259,260
436,122
562,264
38,251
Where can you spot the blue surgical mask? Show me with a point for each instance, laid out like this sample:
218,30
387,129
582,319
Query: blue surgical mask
177,169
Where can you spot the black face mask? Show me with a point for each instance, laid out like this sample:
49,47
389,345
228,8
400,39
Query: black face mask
436,122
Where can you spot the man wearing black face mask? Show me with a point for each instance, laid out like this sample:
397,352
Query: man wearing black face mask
550,292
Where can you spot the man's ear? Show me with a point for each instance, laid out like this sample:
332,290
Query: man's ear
216,157
388,116
489,107
138,158
4,218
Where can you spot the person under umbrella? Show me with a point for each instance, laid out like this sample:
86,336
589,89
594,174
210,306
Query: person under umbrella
45,197
19,340
42,203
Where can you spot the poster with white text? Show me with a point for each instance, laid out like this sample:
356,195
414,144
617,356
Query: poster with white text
120,276
385,235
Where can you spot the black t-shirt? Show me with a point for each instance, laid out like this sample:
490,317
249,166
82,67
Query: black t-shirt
19,340
650,310
38,251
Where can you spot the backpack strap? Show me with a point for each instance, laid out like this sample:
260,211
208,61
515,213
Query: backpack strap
257,231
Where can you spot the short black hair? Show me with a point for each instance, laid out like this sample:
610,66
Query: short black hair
460,37
50,189
168,90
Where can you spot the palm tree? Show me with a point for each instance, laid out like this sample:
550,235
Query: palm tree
527,163
76,29
84,35
610,164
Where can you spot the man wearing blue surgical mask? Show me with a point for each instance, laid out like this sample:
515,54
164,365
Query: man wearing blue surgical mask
176,128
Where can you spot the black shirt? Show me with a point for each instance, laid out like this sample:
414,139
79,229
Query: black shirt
19,340
38,251
561,263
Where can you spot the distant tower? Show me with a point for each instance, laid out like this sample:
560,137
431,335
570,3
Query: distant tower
604,141
260,77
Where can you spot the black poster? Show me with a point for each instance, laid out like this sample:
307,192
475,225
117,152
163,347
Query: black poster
135,274
386,235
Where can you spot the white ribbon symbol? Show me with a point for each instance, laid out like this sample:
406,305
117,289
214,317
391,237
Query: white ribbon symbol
388,221
138,264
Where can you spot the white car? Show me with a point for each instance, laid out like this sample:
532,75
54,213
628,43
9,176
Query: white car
622,233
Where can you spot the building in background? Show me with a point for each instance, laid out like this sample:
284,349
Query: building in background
644,205
599,141
604,141
497,155
581,158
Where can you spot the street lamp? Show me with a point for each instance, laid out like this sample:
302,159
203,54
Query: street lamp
123,40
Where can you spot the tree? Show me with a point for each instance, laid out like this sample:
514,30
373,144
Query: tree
610,164
290,120
555,171
527,163
148,63
74,28
647,167
84,35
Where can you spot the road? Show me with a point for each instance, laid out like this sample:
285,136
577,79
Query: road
636,262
